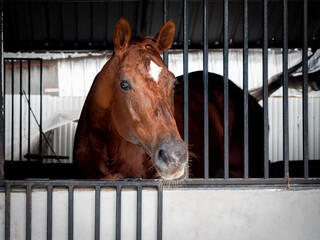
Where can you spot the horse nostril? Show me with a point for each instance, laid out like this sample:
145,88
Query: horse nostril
162,159
162,154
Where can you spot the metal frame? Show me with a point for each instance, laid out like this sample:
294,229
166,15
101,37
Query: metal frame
1,105
27,96
226,182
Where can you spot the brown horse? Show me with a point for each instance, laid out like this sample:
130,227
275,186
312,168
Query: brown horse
130,122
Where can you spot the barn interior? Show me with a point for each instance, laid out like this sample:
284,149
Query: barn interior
53,49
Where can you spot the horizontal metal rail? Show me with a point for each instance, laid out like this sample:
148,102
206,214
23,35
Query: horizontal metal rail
217,182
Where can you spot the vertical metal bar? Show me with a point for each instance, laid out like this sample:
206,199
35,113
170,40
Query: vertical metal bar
160,212
7,211
70,212
40,117
97,214
139,212
29,107
265,90
118,212
285,89
49,212
165,19
2,108
20,117
2,96
12,108
245,91
185,77
305,90
28,213
206,93
226,88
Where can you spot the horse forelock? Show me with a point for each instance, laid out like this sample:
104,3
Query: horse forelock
145,43
142,40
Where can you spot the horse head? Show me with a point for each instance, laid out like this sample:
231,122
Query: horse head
143,98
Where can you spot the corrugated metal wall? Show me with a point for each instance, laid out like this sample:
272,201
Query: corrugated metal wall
295,128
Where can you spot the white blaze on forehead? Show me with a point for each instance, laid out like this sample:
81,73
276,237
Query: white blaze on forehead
154,71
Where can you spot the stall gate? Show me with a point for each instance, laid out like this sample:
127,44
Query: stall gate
190,209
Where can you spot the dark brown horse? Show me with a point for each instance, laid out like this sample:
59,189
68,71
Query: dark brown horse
130,122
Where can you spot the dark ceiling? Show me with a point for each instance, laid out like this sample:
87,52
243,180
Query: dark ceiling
88,25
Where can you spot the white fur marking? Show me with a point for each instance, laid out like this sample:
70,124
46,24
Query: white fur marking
154,71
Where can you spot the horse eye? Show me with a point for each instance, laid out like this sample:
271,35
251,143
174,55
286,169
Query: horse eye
125,85
176,83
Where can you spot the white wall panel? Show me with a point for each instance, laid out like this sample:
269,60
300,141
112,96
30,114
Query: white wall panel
187,214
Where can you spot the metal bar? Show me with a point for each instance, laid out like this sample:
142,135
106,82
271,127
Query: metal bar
97,214
49,212
225,89
29,107
232,182
160,212
245,91
265,90
12,108
40,117
285,90
205,90
2,108
84,183
7,211
24,59
139,212
2,96
165,19
20,117
206,94
118,212
28,213
215,181
70,212
185,78
188,182
305,90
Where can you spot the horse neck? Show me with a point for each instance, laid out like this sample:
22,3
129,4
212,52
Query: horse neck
101,92
100,98
100,110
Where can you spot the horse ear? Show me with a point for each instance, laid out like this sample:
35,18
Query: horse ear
121,35
165,36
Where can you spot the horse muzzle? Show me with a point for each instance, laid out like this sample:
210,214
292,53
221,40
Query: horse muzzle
170,159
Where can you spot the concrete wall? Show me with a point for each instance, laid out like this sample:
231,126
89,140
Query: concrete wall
187,214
